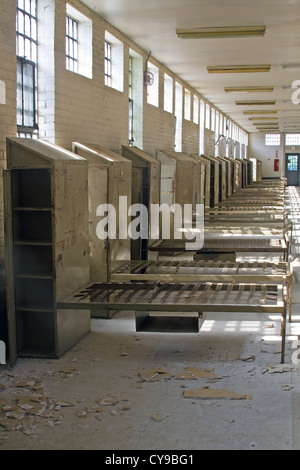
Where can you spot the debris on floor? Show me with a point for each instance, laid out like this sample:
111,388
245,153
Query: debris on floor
280,369
108,401
154,375
160,416
207,393
193,373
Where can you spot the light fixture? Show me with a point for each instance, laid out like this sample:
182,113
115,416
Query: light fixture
259,112
265,123
205,32
269,131
249,89
267,128
255,103
221,136
290,66
263,118
238,68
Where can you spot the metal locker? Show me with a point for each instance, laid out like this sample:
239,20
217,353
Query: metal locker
145,190
257,169
214,179
243,172
230,175
109,178
46,244
205,180
200,179
223,178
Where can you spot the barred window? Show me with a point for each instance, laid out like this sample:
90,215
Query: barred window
130,101
26,94
292,139
273,139
26,35
71,44
27,30
107,64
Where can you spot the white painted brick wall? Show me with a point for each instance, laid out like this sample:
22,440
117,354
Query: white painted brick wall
88,111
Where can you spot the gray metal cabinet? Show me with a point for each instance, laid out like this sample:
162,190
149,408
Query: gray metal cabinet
214,179
46,241
205,180
109,177
180,174
145,190
223,179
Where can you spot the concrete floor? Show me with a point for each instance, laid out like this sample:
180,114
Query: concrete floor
94,397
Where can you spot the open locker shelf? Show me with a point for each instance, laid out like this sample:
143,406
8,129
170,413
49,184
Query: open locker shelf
46,197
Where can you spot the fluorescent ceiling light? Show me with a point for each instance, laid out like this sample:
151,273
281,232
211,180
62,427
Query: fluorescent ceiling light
264,123
290,66
220,32
267,128
269,131
249,89
255,103
259,112
263,118
238,68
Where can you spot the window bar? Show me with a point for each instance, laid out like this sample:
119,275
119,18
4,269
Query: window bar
71,44
107,64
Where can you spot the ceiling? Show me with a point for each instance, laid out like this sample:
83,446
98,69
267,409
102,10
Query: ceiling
152,25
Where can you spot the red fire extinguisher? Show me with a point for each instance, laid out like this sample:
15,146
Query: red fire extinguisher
276,162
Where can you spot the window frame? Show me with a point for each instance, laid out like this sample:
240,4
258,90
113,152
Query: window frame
130,114
274,143
107,63
21,33
23,127
72,40
292,163
29,18
296,143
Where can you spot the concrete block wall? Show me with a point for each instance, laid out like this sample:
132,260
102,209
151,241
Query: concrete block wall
190,137
87,110
8,72
8,126
267,154
209,142
222,148
74,107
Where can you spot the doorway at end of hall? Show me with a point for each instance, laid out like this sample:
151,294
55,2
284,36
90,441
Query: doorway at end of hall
292,168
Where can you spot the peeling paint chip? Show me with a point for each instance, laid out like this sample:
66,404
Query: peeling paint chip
160,416
154,374
211,393
195,373
109,401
